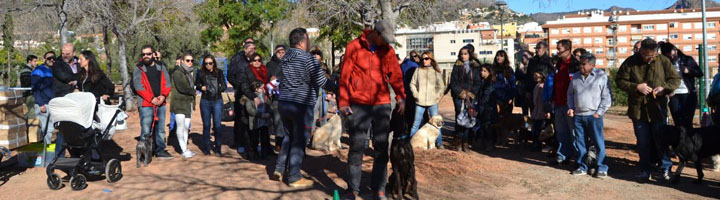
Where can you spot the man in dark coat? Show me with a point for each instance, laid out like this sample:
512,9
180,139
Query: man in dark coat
66,71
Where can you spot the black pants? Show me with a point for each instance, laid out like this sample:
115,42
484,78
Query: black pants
240,128
259,136
682,108
363,118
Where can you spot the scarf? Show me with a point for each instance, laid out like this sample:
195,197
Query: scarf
188,73
260,73
466,66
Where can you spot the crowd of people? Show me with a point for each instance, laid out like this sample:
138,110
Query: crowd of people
289,95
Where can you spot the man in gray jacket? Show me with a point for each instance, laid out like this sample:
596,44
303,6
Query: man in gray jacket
588,100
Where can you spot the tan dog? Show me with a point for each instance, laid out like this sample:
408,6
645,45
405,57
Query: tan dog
510,126
427,135
327,137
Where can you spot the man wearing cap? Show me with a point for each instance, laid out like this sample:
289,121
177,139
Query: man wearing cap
370,65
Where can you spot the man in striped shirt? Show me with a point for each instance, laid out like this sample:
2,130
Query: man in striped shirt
299,83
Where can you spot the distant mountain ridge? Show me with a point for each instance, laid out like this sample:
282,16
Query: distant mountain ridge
542,18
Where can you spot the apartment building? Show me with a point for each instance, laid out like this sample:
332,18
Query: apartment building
611,35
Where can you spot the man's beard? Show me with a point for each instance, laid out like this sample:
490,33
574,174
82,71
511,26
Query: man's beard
148,62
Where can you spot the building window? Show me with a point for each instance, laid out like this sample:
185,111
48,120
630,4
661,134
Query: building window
598,29
648,27
673,24
622,39
712,58
687,36
622,60
623,50
711,36
587,41
554,31
576,40
485,52
565,31
599,51
611,63
649,37
587,30
453,53
687,25
698,25
611,41
600,61
452,41
598,40
712,47
622,28
661,27
468,41
674,36
698,36
576,30
711,25
687,48
662,38
554,41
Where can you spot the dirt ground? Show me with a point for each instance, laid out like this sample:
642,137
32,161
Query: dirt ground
506,173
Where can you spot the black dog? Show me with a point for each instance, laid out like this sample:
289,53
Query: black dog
402,180
143,151
591,158
692,144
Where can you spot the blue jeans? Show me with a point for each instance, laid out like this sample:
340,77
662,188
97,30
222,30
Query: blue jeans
564,131
211,114
419,112
146,120
591,128
646,132
298,120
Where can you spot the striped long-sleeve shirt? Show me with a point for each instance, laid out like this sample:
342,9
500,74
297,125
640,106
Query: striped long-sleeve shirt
301,78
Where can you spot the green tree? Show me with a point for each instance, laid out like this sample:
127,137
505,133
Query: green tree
230,22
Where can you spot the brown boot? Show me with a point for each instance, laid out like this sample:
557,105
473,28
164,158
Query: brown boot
466,146
458,144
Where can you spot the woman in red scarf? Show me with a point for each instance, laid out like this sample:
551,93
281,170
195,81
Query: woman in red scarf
257,67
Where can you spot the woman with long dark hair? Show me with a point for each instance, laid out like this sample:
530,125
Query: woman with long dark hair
94,80
182,101
211,82
428,86
486,108
684,101
465,82
504,82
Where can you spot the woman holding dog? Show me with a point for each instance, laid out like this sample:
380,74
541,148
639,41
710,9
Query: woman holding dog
182,101
465,82
211,82
428,86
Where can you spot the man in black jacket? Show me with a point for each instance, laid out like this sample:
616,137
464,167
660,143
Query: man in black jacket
66,71
25,82
273,66
240,77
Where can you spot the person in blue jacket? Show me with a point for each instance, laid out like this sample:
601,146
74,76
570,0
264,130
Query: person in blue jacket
504,85
41,81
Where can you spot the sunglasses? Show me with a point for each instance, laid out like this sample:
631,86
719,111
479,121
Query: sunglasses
256,60
190,60
50,58
146,54
465,54
426,58
209,63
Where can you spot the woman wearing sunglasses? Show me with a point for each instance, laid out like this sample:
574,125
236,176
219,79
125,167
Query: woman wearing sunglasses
182,101
261,74
211,82
428,85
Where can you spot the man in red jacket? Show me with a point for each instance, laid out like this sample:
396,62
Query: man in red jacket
152,84
370,65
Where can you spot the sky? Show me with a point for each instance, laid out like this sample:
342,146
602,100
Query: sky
535,6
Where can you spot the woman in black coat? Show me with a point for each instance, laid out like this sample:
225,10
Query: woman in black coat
94,80
465,82
211,82
485,106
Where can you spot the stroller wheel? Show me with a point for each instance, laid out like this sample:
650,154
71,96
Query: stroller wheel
54,182
113,171
78,182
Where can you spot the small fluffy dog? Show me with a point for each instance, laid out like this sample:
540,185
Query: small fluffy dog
143,151
327,137
402,180
510,125
427,135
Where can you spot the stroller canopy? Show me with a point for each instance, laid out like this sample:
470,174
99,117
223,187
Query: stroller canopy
77,107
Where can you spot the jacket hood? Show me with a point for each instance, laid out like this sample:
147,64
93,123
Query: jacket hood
291,53
275,58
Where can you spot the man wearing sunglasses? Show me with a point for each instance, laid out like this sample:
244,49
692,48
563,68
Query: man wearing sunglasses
43,91
66,71
152,84
648,79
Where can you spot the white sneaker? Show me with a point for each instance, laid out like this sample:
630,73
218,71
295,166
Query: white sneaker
188,154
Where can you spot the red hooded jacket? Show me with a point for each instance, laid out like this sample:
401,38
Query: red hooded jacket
365,74
143,88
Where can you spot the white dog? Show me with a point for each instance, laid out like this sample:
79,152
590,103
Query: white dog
327,137
427,135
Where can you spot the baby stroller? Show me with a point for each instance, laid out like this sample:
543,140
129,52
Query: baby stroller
74,116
